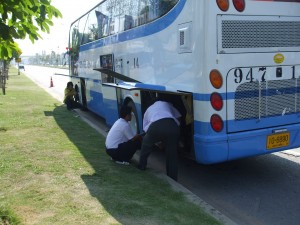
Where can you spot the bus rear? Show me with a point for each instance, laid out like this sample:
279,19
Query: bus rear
254,66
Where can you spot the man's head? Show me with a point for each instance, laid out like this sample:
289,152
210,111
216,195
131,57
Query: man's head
70,84
125,112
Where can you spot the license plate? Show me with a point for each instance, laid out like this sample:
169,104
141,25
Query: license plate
278,140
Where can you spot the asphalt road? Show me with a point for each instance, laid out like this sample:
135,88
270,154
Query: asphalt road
263,190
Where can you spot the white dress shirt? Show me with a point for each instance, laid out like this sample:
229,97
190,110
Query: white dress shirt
119,133
160,110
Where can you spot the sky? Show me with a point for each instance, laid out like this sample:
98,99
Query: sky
57,39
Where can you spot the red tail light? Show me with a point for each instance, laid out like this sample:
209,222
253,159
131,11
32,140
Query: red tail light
239,5
216,123
216,101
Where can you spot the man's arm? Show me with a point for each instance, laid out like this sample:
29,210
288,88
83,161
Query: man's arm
70,93
137,137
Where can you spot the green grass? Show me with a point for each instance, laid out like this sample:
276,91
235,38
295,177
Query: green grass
54,170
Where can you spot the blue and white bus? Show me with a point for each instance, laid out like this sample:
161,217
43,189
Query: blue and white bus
231,67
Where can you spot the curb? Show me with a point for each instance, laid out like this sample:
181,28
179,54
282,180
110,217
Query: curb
197,201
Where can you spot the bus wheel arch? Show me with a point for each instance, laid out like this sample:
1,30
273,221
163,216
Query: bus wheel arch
134,123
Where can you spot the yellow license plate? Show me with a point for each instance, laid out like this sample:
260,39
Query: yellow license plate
278,140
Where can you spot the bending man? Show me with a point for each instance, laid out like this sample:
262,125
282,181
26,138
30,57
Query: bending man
161,123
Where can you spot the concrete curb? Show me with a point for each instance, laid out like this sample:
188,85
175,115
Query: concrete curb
190,196
291,152
197,201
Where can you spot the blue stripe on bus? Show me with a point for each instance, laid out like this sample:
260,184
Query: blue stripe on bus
250,94
205,97
140,31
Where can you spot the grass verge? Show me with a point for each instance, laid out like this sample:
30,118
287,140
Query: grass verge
54,170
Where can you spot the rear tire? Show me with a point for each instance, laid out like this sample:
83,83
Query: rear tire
134,123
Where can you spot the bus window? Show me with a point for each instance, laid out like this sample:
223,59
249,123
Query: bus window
128,22
130,13
102,20
106,62
143,12
81,27
91,29
165,6
151,10
74,48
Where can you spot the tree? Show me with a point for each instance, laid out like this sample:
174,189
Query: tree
20,19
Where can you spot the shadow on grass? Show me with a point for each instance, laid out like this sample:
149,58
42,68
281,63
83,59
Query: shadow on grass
119,189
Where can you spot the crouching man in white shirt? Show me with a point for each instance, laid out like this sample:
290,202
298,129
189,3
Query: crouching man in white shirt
121,143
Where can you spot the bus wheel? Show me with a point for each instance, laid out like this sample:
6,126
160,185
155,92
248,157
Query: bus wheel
134,123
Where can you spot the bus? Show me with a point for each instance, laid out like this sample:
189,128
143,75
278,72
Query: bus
231,67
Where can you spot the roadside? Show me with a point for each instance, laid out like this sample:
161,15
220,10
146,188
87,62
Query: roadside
54,170
99,125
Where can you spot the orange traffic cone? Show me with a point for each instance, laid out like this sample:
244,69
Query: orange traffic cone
51,82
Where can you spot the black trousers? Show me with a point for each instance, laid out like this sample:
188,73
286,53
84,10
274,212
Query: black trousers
71,104
125,151
167,131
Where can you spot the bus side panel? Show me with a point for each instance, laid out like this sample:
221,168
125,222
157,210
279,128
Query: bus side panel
94,97
110,104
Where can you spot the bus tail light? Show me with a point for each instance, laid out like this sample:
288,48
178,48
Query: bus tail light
216,123
223,5
216,101
216,79
239,5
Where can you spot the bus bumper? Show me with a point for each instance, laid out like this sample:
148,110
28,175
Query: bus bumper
210,150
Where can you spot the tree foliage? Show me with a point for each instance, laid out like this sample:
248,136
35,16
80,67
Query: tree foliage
20,19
